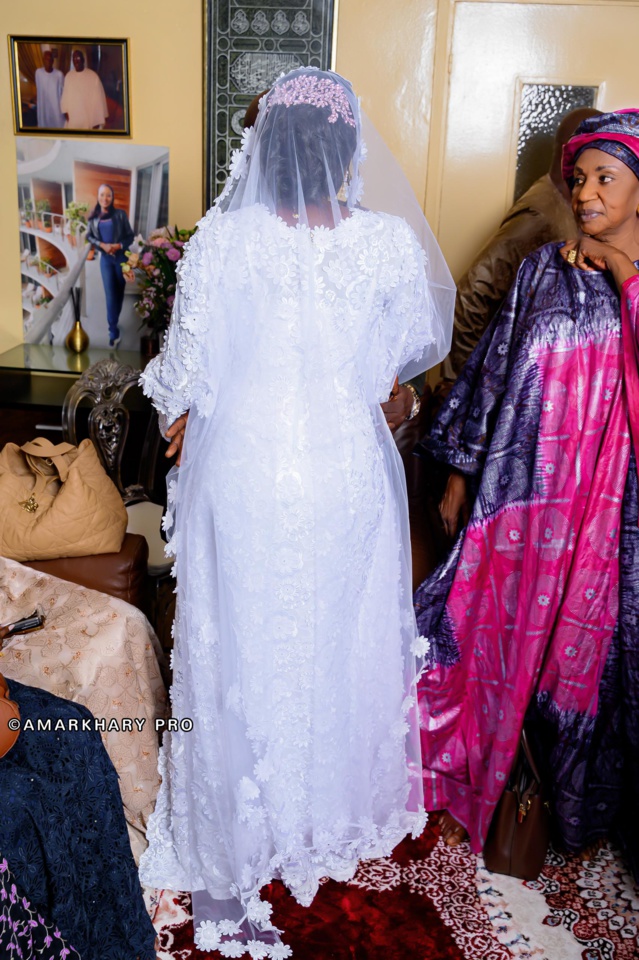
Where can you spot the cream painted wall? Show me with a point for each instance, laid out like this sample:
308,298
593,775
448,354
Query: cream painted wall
166,105
386,49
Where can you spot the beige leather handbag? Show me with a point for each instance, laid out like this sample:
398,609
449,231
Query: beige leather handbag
57,501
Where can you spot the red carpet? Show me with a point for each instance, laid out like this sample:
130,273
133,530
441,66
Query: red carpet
431,902
413,906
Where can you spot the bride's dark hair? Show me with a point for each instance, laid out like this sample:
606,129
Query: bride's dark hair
301,150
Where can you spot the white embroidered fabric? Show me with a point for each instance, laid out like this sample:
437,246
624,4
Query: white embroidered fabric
295,636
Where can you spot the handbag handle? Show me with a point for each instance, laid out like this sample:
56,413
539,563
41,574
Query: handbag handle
41,447
53,453
528,755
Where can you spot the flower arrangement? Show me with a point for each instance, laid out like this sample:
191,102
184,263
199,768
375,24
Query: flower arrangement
154,265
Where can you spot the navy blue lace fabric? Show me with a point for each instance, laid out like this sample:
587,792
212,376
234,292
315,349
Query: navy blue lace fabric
487,429
64,836
24,932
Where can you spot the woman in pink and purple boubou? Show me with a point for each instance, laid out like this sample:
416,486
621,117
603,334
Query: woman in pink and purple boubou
535,614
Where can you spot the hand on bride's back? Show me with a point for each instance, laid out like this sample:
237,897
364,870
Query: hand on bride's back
175,434
398,407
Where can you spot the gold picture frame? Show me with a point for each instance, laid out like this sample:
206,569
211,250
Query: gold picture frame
49,99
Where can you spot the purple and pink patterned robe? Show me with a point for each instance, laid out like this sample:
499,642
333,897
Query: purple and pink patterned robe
536,611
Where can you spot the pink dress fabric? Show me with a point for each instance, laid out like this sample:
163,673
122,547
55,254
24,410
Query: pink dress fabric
534,600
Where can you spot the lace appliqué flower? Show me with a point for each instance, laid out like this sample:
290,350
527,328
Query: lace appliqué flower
419,824
257,950
420,646
232,948
280,951
207,936
259,911
238,166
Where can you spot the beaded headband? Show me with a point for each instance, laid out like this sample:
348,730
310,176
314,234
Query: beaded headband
315,91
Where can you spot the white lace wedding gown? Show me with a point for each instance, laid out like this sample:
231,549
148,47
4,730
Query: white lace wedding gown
295,635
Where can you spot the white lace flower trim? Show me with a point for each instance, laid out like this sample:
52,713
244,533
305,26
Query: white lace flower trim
232,948
280,951
419,824
257,950
239,158
171,548
207,935
259,911
420,646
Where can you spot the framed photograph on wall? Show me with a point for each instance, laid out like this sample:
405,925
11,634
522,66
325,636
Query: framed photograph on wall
70,86
246,48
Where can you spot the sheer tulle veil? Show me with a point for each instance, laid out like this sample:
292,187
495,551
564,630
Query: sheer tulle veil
352,168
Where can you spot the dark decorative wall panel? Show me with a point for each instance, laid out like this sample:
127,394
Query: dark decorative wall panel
543,107
248,46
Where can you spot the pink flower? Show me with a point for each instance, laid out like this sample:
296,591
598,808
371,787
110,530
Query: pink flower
147,258
157,242
169,300
173,254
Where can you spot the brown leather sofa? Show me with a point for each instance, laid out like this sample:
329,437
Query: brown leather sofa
122,575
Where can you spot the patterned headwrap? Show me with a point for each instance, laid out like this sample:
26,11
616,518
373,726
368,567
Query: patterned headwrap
614,133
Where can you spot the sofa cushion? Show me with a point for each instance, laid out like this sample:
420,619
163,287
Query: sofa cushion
122,575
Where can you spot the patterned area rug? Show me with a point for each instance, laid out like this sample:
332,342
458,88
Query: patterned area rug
577,910
432,902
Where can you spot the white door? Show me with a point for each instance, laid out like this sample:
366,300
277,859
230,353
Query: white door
494,49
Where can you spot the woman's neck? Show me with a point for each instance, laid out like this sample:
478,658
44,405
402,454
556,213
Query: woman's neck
317,215
626,240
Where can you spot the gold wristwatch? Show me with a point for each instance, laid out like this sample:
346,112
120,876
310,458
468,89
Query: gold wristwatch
414,410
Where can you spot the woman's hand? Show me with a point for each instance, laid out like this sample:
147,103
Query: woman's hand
110,247
454,504
593,255
175,434
398,407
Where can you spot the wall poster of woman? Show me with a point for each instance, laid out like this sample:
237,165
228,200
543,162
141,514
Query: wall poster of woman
122,189
70,85
110,233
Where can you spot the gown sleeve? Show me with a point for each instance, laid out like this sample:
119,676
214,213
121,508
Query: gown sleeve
174,379
405,343
462,431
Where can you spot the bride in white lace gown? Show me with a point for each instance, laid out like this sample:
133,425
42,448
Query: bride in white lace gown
295,637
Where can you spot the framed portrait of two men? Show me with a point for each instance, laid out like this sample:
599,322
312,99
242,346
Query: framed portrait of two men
69,86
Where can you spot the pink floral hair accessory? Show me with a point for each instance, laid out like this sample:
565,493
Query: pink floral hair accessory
315,91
